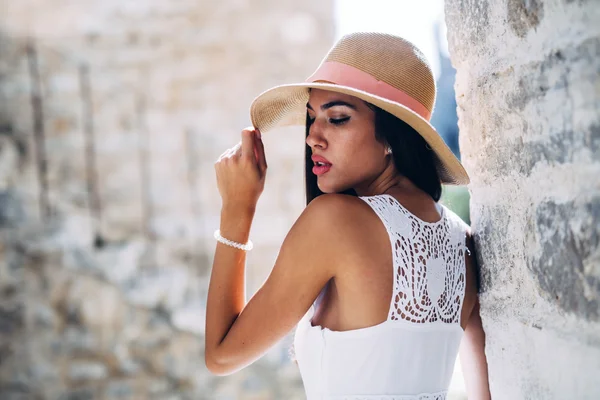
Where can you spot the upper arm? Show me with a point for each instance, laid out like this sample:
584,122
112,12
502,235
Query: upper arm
472,347
305,263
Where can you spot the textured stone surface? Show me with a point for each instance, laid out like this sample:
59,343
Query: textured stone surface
112,114
528,92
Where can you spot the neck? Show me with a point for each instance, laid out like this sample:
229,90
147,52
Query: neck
389,181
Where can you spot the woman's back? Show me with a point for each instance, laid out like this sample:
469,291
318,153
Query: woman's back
390,323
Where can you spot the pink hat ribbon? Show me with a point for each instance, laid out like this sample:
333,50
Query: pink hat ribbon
346,75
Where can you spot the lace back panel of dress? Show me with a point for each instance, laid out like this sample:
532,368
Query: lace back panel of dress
429,260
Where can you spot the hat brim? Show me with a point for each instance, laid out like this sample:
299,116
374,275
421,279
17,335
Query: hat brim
285,105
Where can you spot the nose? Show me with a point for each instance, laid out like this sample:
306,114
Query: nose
315,137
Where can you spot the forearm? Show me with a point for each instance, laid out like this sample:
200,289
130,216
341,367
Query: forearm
227,288
473,359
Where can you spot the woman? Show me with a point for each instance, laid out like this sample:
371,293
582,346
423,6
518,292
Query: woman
378,278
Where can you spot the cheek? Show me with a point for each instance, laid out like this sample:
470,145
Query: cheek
361,155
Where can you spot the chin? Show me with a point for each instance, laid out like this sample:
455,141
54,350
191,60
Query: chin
330,188
325,188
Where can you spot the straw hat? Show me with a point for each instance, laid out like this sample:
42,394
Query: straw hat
384,70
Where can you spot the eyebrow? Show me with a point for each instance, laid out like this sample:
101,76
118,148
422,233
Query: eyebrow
333,104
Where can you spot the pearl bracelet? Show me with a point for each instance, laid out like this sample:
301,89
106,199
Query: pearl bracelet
246,247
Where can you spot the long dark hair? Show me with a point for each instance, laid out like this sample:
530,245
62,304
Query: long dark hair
410,152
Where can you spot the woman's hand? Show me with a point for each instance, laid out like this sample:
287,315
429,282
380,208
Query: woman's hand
241,172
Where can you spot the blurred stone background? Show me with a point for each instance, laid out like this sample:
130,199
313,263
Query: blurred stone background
112,114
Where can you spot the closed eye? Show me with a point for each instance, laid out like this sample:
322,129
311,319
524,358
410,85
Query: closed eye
338,121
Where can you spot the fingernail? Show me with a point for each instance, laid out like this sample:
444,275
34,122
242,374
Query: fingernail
258,134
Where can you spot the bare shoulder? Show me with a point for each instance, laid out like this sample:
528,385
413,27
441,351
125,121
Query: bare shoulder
340,214
333,205
345,224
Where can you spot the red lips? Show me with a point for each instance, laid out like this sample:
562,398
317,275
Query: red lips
320,169
320,159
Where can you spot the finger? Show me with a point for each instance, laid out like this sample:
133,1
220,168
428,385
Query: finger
248,144
236,150
227,153
231,153
223,154
261,157
255,148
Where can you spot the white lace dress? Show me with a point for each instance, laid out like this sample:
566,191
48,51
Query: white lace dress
411,355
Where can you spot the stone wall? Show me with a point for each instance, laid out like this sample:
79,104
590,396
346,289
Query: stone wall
112,114
528,91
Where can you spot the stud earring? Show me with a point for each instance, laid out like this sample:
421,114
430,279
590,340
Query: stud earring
388,150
